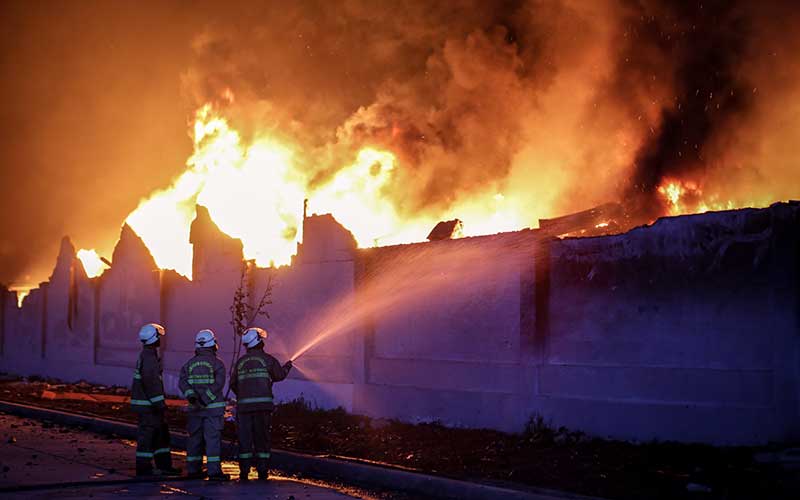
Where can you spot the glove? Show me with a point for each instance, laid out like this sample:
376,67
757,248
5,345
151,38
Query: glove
288,365
193,400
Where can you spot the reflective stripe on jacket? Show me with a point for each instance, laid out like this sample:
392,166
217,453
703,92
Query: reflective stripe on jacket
203,376
147,390
252,380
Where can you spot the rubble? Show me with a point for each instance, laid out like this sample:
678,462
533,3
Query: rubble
447,230
609,218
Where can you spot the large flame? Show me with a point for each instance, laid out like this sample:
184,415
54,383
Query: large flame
354,197
251,191
255,192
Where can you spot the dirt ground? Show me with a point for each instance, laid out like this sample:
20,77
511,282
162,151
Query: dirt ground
540,456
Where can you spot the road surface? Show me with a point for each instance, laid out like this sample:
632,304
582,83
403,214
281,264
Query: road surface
42,460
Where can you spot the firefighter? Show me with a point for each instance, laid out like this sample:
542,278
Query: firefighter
201,382
252,379
147,399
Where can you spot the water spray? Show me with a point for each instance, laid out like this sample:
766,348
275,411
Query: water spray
409,280
316,340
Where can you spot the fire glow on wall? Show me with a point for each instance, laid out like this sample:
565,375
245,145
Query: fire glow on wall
256,192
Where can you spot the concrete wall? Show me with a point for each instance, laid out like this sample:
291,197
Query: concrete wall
69,316
688,329
23,334
128,296
451,353
684,322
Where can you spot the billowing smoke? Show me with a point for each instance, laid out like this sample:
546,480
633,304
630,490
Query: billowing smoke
444,86
556,105
698,47
694,55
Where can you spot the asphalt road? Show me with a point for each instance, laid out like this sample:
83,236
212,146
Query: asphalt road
41,460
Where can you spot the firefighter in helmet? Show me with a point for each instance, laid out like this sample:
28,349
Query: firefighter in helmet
201,381
147,399
252,380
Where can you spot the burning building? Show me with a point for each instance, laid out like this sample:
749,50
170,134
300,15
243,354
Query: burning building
686,329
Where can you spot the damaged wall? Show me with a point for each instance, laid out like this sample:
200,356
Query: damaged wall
692,321
69,316
685,330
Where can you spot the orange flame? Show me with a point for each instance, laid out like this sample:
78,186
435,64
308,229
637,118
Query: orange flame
22,292
252,192
255,192
91,262
687,197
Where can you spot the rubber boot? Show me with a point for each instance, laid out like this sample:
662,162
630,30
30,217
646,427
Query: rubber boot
262,465
244,470
263,475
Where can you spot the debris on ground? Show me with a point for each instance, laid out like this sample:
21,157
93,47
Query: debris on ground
541,456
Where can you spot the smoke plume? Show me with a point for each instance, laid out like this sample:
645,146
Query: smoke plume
555,104
548,105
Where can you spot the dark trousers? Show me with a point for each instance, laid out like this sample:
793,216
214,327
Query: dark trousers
205,435
254,441
152,442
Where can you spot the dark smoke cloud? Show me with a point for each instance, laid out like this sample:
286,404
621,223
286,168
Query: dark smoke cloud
449,87
700,46
557,104
694,61
459,91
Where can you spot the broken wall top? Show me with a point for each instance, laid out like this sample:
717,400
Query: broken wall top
481,248
67,263
205,232
131,252
213,251
324,239
683,236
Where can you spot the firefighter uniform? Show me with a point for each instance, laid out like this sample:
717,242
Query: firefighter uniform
252,380
147,399
201,381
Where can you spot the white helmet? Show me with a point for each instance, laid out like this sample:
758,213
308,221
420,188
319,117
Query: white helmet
205,338
150,333
253,336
